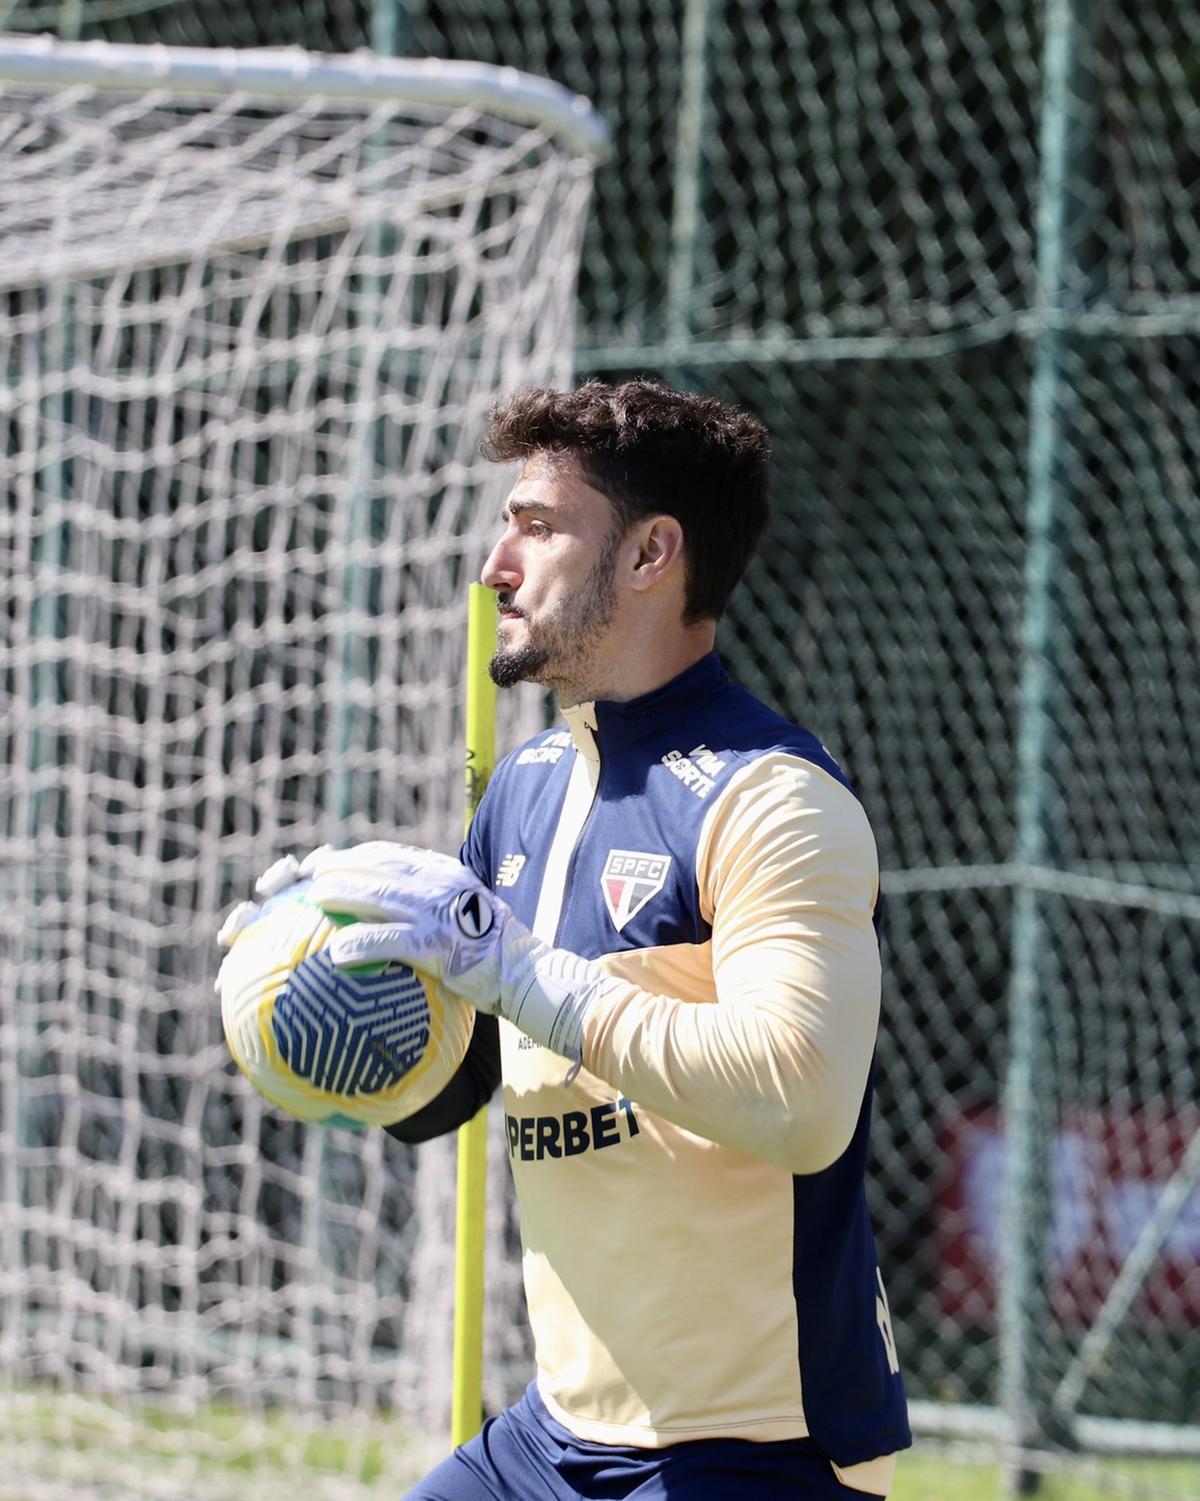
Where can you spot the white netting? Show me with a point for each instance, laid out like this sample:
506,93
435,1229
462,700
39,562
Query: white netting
249,344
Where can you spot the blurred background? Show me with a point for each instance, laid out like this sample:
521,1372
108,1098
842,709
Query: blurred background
950,254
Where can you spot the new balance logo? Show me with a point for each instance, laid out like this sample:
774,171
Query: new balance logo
509,869
629,879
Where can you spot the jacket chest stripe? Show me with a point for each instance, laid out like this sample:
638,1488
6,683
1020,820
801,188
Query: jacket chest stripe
581,793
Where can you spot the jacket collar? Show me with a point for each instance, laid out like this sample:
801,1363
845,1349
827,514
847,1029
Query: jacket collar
608,727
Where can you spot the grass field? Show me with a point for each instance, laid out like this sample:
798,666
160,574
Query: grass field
66,1444
928,1475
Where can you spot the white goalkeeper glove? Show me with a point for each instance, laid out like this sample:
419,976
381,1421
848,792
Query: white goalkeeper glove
429,911
285,872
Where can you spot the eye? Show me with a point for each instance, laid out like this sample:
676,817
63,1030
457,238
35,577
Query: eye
538,529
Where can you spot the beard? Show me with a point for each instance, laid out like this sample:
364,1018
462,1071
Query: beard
559,648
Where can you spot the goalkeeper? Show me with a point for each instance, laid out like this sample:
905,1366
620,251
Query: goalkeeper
665,913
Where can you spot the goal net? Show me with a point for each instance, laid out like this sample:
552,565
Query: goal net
253,311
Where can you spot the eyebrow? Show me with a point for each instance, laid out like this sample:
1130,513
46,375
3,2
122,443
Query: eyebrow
519,507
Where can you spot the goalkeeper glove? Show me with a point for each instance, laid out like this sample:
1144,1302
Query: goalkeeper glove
429,911
285,872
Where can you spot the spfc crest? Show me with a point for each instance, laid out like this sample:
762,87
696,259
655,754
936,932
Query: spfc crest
629,879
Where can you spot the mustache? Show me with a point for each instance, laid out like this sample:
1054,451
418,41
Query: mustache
505,602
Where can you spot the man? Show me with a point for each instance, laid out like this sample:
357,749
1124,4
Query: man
669,906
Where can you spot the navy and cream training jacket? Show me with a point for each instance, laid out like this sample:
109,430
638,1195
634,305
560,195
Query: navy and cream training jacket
698,1257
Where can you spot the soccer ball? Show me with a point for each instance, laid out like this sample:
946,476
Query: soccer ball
368,1045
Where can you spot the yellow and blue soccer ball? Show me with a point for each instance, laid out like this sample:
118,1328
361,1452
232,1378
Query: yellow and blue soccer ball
370,1045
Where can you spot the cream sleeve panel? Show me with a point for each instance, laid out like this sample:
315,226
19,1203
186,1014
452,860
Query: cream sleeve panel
775,1068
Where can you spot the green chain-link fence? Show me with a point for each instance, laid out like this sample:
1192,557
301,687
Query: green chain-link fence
951,255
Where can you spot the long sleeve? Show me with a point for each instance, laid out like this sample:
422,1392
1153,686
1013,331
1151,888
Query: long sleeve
776,1064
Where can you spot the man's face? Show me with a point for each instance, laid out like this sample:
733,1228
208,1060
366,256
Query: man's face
553,570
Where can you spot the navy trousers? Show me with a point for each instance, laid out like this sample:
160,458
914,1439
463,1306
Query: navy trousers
524,1455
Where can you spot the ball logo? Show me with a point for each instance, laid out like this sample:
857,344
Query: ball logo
475,916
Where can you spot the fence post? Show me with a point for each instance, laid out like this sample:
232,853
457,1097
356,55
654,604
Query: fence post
688,169
1029,1088
391,34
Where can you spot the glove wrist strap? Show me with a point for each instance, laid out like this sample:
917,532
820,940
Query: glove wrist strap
547,997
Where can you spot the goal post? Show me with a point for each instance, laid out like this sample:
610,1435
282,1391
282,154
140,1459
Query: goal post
254,309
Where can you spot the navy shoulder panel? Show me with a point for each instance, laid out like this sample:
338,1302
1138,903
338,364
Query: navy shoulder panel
514,824
664,760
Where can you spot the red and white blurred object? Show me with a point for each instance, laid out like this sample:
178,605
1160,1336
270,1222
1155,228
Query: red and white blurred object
1108,1171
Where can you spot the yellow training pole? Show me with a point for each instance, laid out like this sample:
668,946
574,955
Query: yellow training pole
466,1415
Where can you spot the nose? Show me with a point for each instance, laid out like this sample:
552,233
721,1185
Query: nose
500,571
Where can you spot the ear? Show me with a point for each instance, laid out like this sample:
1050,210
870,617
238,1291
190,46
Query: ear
658,541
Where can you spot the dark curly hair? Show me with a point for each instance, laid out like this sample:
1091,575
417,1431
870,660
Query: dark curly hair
651,449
